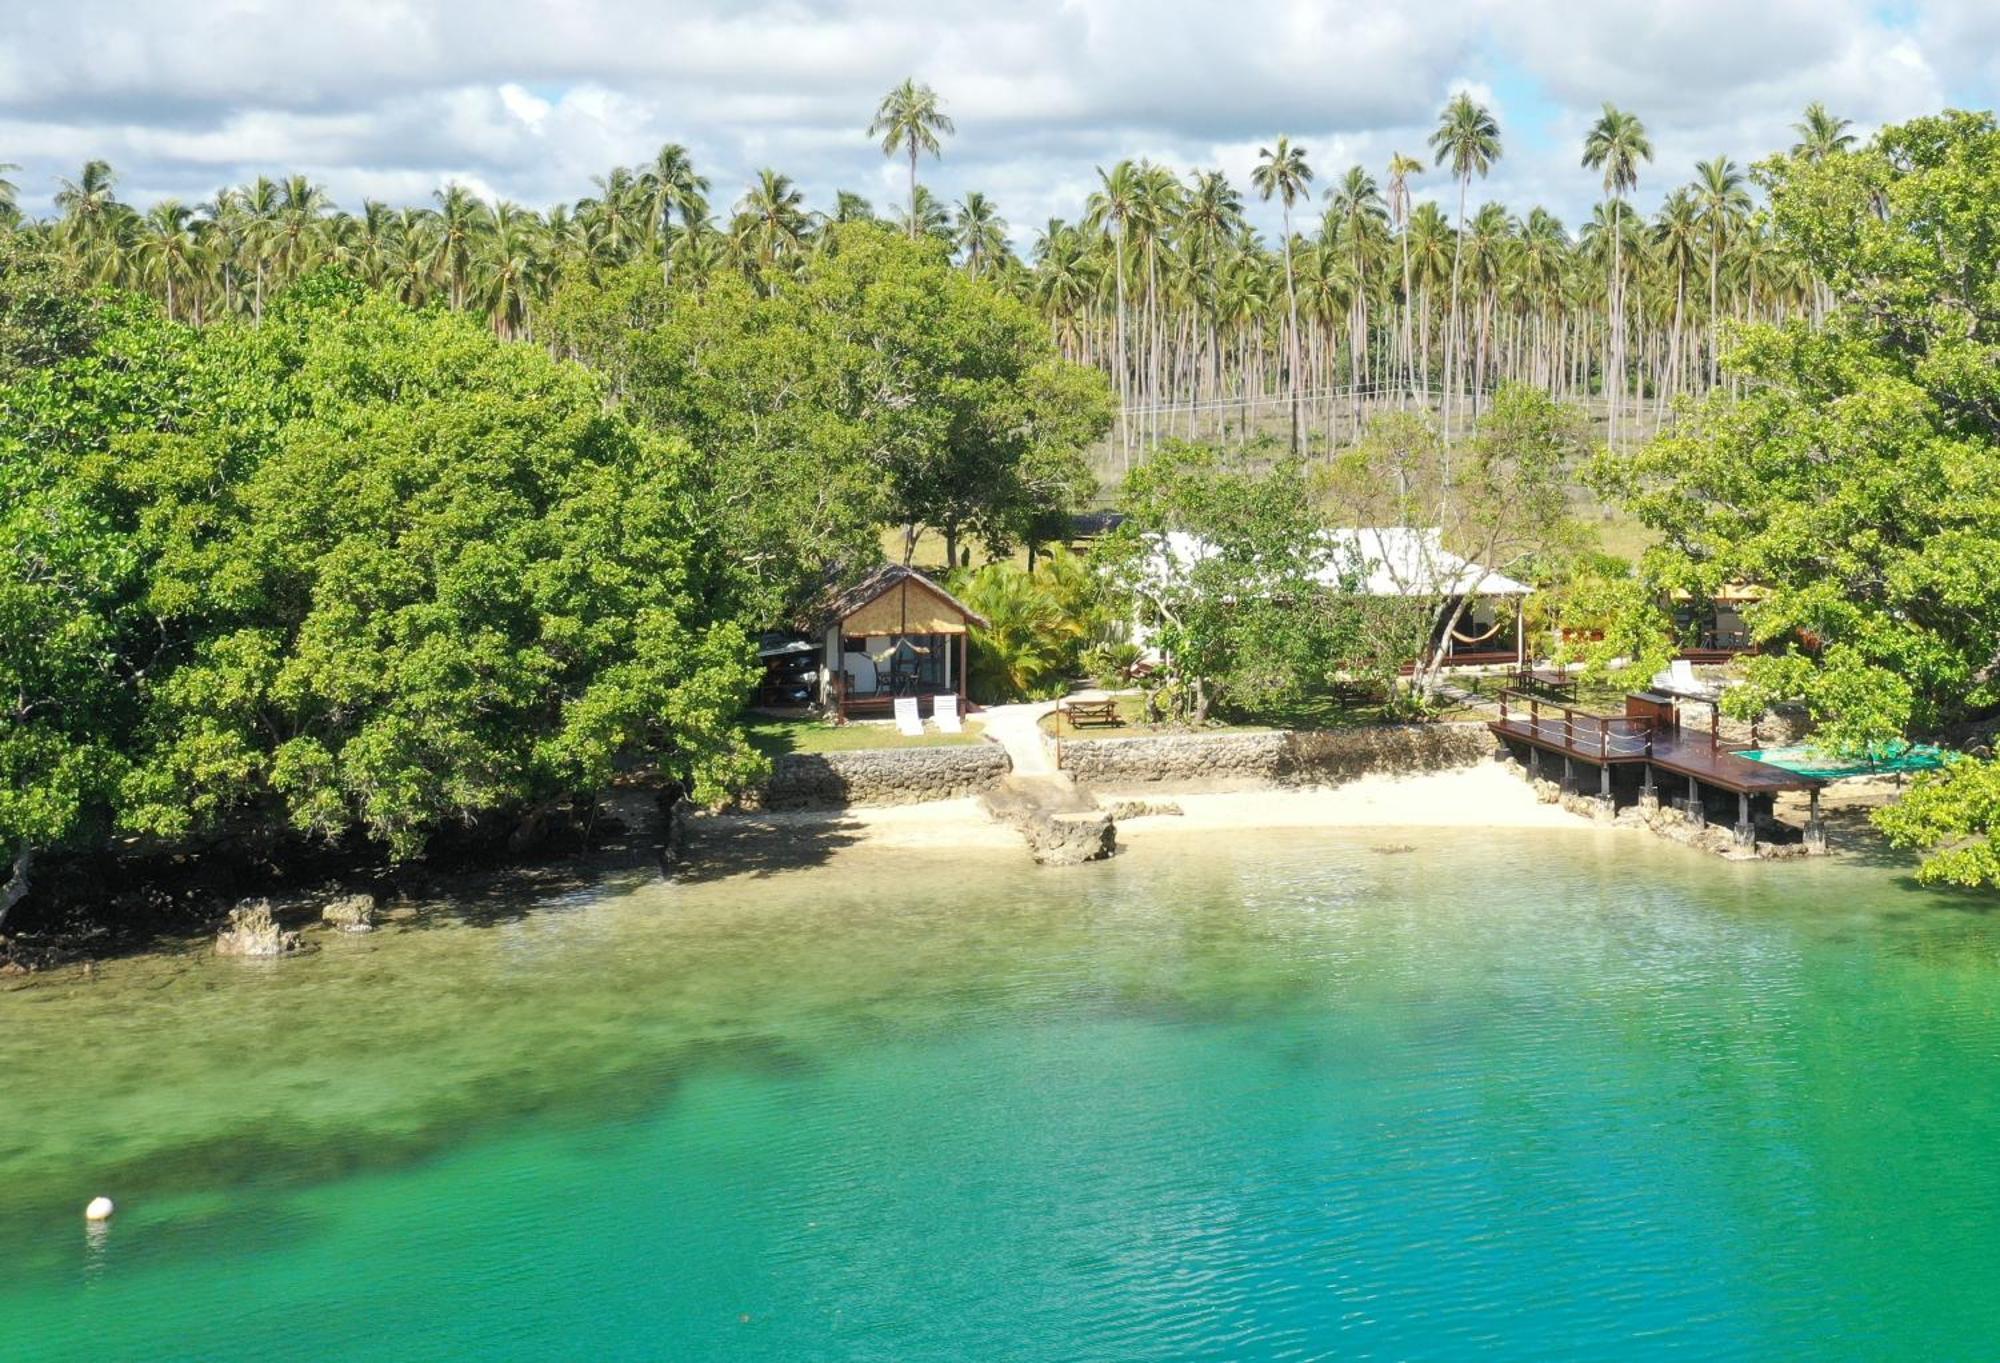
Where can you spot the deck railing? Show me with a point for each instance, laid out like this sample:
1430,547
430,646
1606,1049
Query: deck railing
1597,737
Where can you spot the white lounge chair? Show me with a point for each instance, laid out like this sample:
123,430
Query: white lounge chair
909,720
944,709
1680,675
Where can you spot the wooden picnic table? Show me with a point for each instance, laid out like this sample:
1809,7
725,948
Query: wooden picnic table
1082,712
1556,681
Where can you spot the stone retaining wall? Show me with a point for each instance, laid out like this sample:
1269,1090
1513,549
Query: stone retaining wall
1287,757
882,776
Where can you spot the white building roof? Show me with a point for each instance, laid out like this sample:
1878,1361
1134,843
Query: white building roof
1402,561
1390,561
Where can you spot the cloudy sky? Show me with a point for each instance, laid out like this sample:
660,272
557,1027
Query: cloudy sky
528,99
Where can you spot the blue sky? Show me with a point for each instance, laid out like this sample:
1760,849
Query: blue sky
528,99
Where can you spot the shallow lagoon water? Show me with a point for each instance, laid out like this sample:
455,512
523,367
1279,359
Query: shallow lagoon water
1224,1097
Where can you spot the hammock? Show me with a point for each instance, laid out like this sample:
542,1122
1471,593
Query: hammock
901,644
1498,625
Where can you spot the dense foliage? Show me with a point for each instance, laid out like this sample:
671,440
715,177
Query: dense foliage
1370,296
1500,500
877,385
357,568
1042,626
1243,621
1857,480
361,567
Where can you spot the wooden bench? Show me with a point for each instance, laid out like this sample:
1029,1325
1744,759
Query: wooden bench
1082,712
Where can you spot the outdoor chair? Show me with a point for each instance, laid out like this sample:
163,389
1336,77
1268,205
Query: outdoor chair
944,709
909,720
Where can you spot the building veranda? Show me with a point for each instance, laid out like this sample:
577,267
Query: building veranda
896,633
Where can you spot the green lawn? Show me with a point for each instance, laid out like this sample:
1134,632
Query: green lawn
773,735
1311,713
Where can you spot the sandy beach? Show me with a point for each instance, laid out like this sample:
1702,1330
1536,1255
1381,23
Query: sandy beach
1484,796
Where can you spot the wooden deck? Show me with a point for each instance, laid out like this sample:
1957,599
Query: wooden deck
1608,740
882,704
1710,656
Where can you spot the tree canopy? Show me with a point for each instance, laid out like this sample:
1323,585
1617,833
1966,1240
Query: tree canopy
1241,619
876,386
360,568
1857,478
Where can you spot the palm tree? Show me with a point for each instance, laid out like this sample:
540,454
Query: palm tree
771,222
933,218
461,221
1163,285
295,226
910,118
671,186
851,207
1723,203
617,217
1110,210
363,244
10,193
1212,213
1821,134
1468,139
1677,233
90,211
1616,144
1488,242
412,263
1355,210
255,226
980,232
1542,265
166,251
1282,170
509,264
1401,168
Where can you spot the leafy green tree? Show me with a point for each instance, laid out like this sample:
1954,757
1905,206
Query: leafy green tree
45,313
879,387
1856,478
359,569
76,379
1501,503
1237,609
439,582
1953,818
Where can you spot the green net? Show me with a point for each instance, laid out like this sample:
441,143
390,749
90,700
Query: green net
1804,761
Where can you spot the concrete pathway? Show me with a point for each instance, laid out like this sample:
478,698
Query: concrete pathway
1017,729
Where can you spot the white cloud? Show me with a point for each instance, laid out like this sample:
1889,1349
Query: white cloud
531,98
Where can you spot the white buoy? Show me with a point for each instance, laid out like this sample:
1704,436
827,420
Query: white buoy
100,1209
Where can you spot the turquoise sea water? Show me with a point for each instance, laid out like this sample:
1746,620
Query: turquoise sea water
1525,1096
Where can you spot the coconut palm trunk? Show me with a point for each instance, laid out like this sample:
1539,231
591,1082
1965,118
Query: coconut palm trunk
1451,334
1292,315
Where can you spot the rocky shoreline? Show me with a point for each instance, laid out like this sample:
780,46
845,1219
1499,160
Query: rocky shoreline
258,900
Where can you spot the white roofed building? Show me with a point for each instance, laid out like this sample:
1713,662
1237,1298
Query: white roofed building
1399,562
